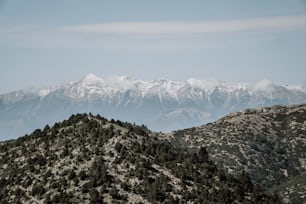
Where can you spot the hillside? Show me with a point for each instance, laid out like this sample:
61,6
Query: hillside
292,190
162,105
268,143
88,159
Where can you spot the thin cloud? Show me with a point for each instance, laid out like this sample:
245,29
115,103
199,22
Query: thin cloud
279,23
150,35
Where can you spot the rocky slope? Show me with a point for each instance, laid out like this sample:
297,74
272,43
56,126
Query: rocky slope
293,190
268,143
160,104
88,159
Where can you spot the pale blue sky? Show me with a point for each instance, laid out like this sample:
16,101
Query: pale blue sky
46,43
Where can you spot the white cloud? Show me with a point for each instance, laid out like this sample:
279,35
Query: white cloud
158,36
278,23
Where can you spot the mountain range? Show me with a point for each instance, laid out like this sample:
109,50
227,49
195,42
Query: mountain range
162,105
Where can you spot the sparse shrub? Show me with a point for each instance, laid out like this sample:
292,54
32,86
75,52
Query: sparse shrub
86,187
38,190
27,182
71,175
82,175
94,196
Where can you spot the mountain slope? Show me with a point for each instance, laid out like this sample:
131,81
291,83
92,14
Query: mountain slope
89,159
268,143
160,104
292,190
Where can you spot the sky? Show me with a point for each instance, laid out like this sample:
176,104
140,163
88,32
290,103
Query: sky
46,43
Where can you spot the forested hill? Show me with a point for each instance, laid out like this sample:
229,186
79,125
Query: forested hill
90,159
269,143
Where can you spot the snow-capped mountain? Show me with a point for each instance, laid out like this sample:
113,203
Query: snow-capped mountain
162,105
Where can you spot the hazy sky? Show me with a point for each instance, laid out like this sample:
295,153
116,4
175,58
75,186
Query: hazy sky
46,43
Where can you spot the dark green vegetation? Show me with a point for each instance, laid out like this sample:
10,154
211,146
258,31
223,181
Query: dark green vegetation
293,189
268,143
89,159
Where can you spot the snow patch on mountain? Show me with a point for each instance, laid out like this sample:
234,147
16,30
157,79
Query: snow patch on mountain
206,85
263,86
44,92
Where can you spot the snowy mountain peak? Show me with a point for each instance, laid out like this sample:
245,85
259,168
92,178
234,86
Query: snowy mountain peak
263,86
125,78
91,79
206,85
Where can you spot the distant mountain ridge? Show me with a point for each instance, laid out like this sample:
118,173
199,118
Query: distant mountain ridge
160,104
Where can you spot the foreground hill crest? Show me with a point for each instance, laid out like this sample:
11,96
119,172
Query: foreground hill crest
90,159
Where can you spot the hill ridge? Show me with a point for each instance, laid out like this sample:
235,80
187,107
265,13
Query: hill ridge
90,159
269,143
